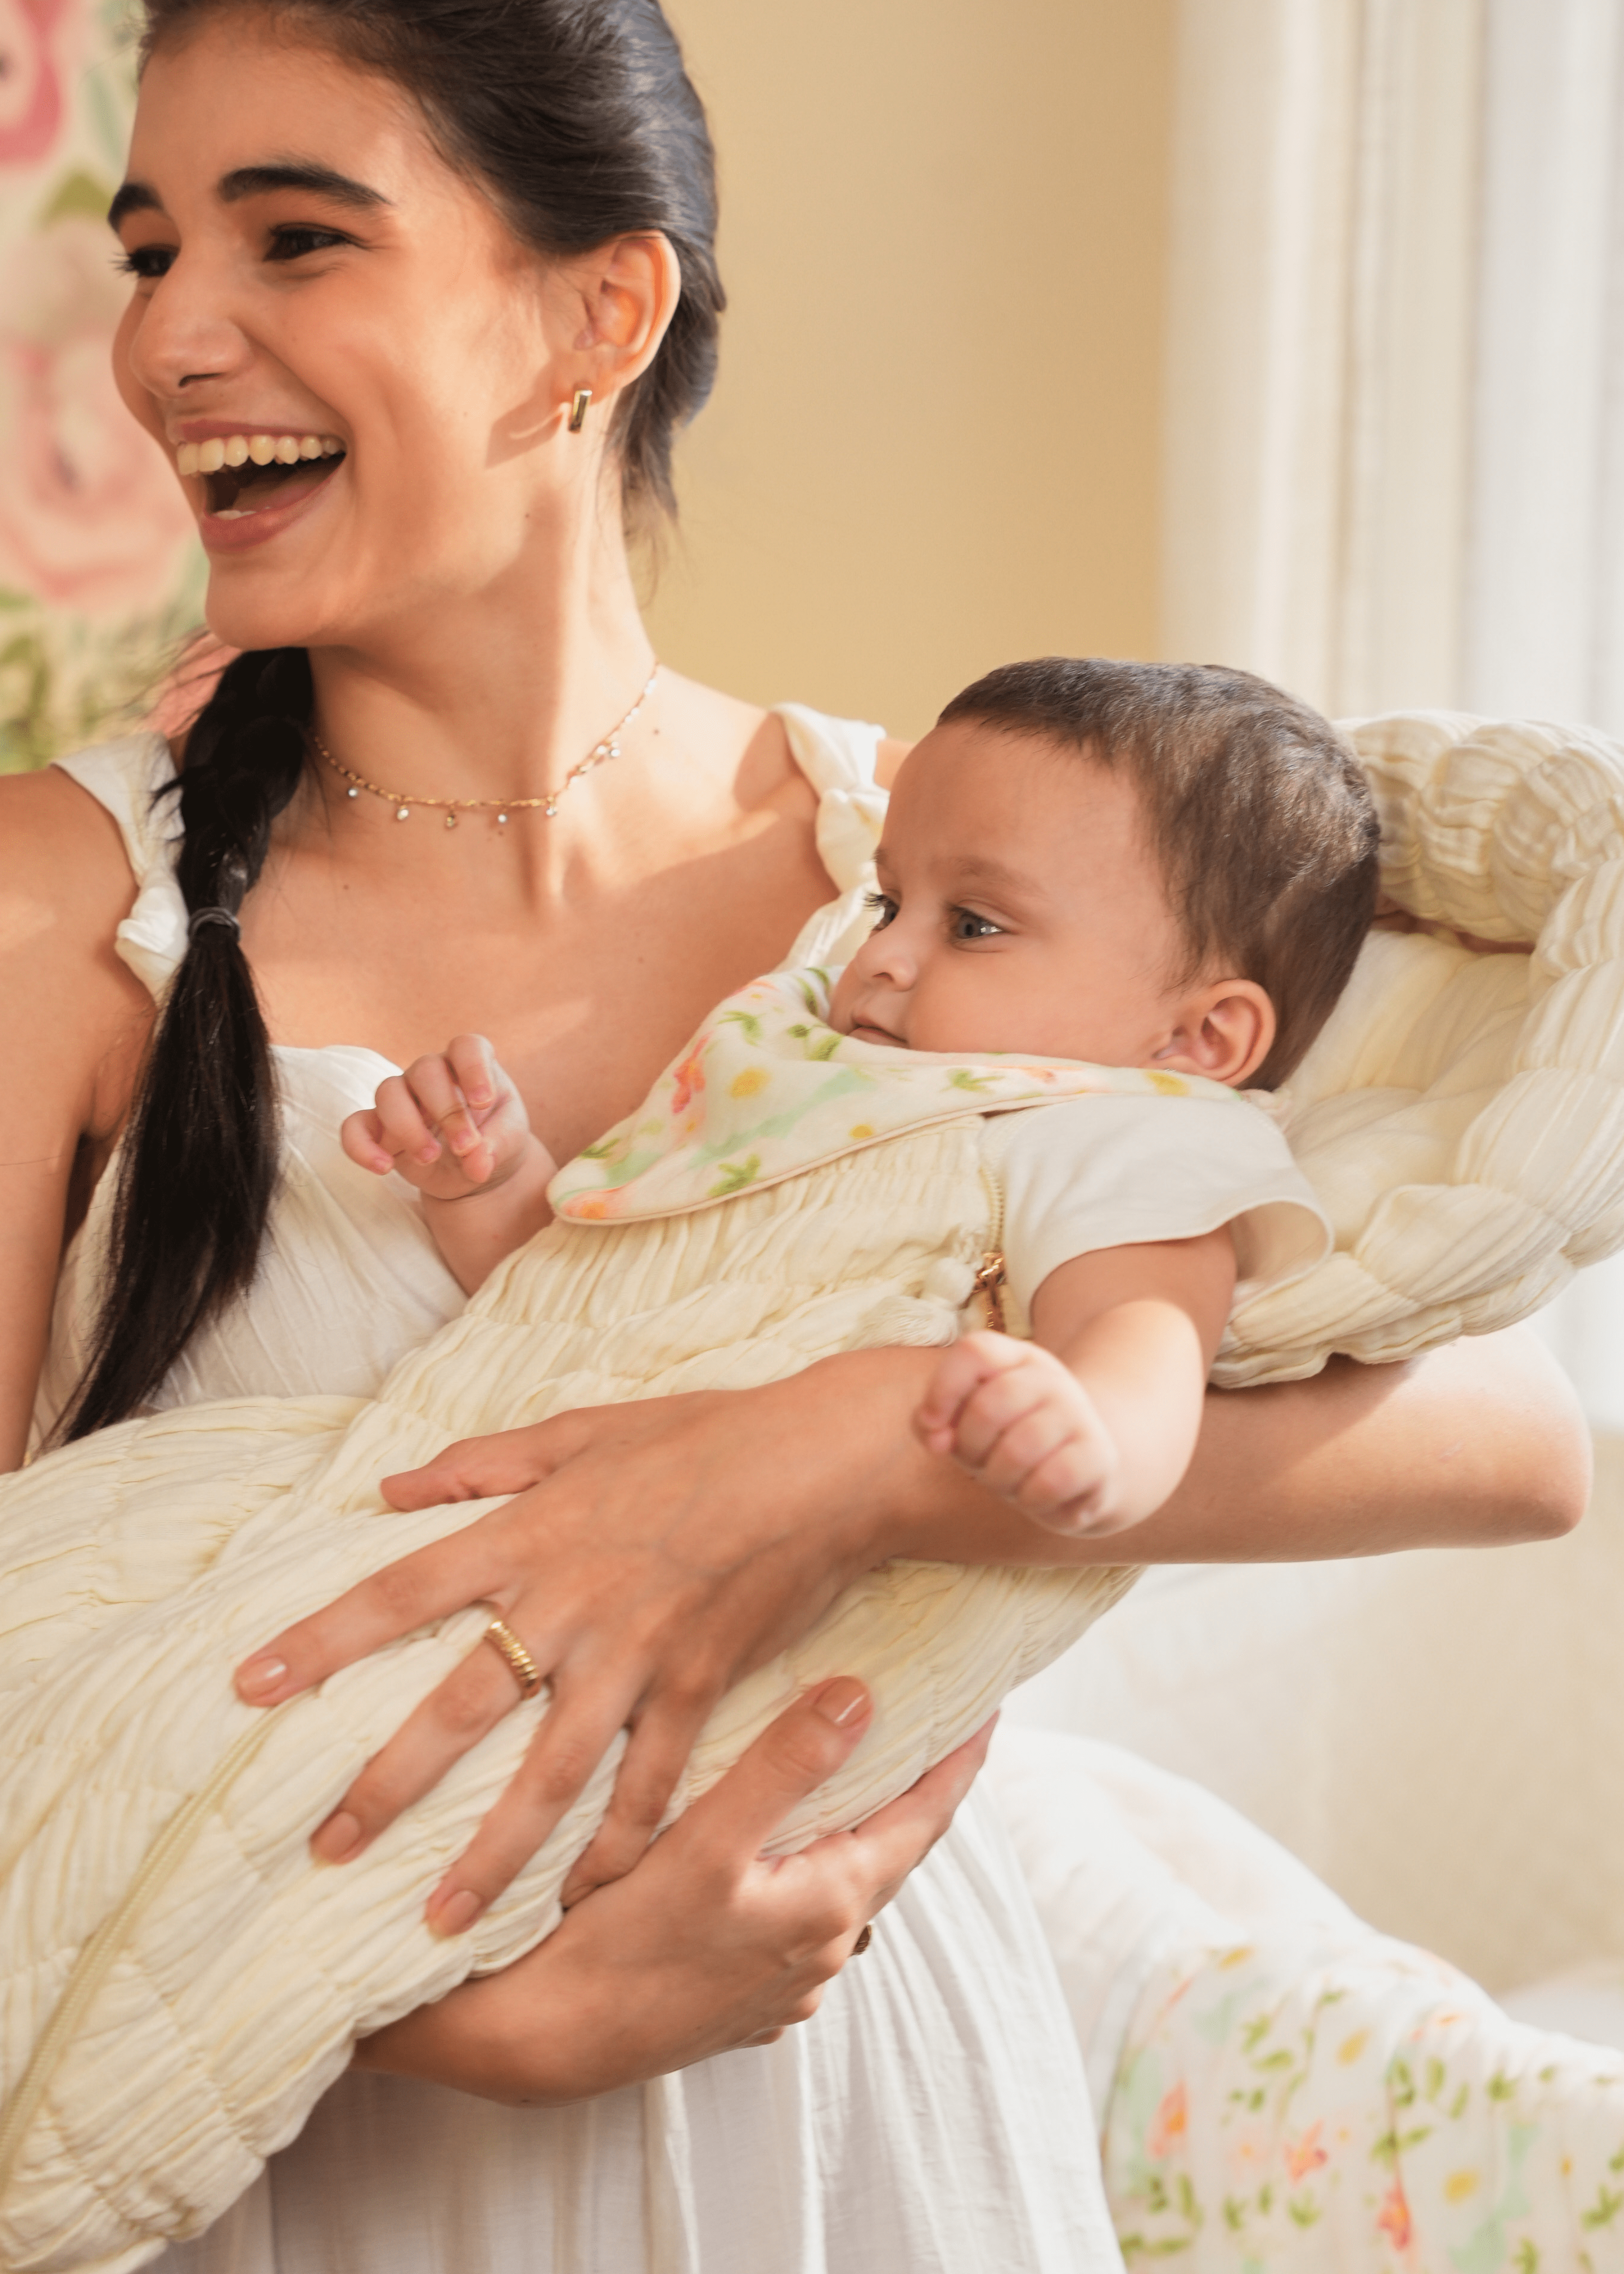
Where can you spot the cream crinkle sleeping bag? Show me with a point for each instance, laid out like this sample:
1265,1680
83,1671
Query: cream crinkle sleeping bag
1459,1118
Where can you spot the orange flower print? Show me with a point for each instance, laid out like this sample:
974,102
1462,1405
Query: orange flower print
1306,2155
689,1077
1169,2123
1394,2217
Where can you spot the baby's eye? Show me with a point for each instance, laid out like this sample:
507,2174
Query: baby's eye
881,906
964,924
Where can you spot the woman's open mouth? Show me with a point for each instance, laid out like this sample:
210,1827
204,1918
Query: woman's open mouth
245,474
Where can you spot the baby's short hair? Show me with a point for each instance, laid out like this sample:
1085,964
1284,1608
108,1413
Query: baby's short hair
1258,814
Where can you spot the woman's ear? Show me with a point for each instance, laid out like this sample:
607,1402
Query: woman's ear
627,293
1224,1031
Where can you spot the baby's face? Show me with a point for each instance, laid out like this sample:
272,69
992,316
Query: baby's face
1019,909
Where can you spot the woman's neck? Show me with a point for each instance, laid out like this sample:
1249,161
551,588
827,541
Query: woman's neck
500,694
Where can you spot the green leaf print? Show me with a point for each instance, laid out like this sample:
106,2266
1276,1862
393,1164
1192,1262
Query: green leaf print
1303,2210
746,1020
734,1177
826,1045
1525,2258
1604,2211
961,1077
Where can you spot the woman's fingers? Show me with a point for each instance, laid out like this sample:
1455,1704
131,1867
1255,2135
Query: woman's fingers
899,1836
447,1724
430,1584
807,1743
487,1468
579,1729
664,1735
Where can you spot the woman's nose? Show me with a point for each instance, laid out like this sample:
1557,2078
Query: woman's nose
182,334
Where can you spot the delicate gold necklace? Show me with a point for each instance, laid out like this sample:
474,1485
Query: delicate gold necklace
403,801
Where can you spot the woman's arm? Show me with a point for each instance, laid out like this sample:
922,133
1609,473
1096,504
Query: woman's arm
72,1021
654,1552
1476,1445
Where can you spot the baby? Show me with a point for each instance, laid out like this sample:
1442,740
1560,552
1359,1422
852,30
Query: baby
1140,866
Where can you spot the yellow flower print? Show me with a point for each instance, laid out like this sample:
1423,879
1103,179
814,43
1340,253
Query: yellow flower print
1167,1085
749,1081
1459,2185
862,1129
1350,2048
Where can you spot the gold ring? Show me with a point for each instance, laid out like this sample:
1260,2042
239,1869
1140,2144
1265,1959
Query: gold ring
863,1939
520,1665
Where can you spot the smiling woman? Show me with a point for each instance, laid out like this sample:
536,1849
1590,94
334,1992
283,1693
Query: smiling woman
468,244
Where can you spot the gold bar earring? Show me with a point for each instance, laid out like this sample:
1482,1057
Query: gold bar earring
578,408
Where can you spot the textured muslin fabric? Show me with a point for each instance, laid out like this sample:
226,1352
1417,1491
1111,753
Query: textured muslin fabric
934,2113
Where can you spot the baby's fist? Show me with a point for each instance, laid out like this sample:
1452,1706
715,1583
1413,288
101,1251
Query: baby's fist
1018,1419
452,1124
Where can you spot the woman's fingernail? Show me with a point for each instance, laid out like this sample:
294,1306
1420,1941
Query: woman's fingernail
456,1914
259,1677
841,1700
338,1837
429,1152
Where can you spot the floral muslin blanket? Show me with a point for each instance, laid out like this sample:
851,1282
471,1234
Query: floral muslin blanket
1321,2099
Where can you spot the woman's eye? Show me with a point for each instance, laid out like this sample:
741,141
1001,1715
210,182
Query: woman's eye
292,244
149,262
964,924
881,906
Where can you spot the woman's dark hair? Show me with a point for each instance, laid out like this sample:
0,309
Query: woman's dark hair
579,120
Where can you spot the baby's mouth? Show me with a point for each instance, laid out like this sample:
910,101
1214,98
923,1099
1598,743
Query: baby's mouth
243,474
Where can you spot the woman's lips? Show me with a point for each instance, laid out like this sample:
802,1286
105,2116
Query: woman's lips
241,526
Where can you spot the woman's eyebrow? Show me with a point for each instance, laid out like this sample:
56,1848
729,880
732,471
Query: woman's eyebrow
297,174
254,182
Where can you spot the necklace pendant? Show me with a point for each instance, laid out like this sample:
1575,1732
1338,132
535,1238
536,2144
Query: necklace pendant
451,821
551,808
501,821
402,813
352,792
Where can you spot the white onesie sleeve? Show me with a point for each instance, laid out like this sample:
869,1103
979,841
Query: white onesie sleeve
1106,1171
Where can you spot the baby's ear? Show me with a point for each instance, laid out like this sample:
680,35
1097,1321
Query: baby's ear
1223,1031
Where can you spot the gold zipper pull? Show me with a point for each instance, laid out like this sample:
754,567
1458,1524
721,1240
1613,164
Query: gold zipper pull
989,1284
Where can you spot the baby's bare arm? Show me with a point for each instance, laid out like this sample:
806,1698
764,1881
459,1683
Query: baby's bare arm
1090,1427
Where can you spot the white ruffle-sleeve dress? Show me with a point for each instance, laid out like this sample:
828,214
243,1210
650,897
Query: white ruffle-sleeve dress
934,2114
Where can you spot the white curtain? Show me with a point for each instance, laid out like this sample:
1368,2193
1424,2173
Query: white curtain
1394,444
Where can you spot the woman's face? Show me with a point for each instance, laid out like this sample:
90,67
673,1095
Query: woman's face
310,273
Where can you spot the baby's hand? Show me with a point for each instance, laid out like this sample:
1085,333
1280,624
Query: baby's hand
1017,1417
453,1124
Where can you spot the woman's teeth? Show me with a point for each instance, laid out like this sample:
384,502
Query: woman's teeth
239,449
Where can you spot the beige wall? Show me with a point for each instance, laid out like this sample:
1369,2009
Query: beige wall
935,439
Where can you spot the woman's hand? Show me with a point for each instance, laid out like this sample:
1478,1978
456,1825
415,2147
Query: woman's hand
703,1946
669,1546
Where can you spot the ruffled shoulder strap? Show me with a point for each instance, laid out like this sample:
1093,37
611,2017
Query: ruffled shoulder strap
838,757
125,776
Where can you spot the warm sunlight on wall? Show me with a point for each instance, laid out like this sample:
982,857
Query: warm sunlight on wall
934,442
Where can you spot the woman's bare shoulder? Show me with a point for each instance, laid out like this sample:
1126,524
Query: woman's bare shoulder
66,886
